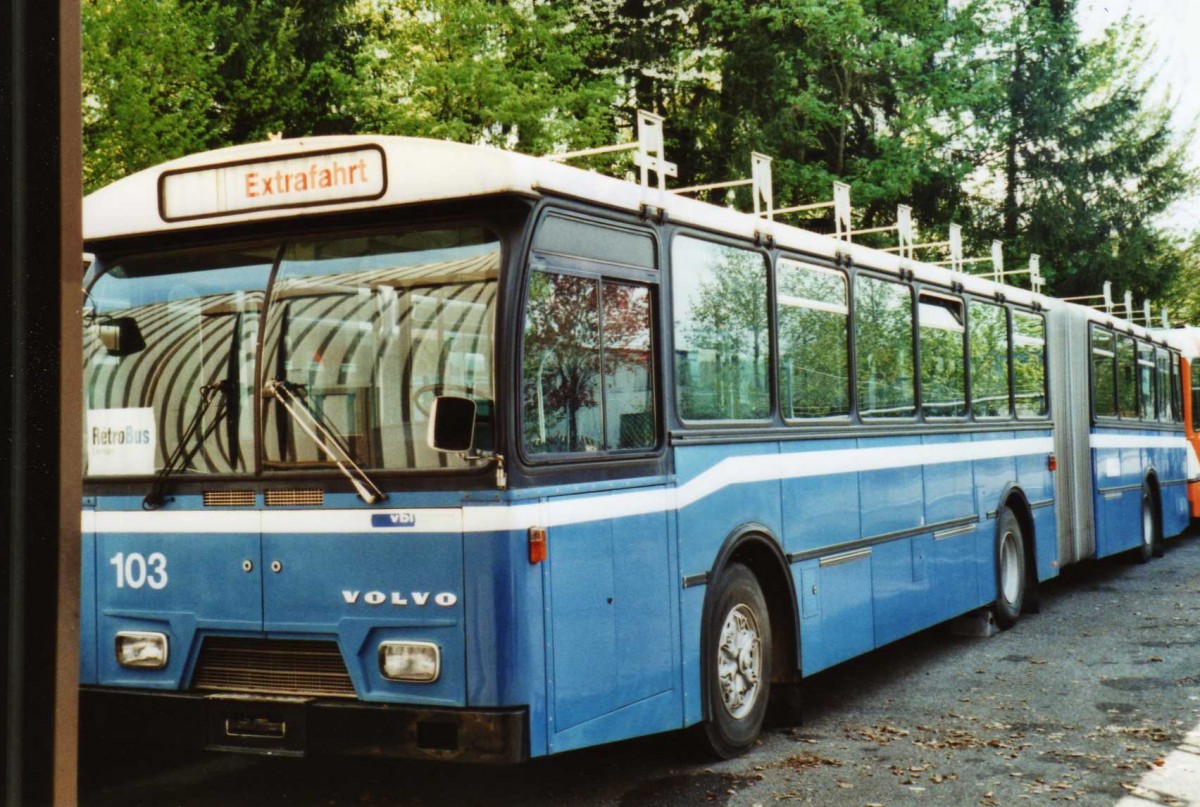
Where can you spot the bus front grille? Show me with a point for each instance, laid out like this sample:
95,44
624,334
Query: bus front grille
274,667
294,498
228,498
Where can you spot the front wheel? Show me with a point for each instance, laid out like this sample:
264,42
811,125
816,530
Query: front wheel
1010,569
738,663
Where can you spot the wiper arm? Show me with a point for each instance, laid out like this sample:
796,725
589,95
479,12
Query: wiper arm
182,455
311,424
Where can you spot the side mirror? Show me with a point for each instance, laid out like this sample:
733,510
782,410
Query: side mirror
121,336
451,424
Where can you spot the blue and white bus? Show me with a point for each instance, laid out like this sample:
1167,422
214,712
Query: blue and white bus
408,447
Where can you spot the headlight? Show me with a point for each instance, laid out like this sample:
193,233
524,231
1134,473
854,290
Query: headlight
139,649
410,661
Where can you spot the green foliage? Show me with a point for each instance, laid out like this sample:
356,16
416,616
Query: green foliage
149,85
990,113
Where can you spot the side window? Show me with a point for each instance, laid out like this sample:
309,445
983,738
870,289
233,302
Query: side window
587,374
1195,393
1162,361
1029,364
943,336
1104,380
1126,378
989,360
1177,388
814,360
883,338
1145,374
722,338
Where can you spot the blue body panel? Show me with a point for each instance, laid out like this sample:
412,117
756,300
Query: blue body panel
1120,466
602,641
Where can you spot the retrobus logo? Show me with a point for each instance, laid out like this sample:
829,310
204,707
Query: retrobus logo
311,178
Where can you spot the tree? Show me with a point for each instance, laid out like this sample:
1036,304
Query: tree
478,71
150,86
1084,162
166,78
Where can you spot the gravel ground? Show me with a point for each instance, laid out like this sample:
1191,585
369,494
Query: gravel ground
1075,704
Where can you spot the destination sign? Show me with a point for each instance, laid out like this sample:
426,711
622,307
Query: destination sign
315,178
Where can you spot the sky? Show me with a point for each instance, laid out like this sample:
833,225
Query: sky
1173,27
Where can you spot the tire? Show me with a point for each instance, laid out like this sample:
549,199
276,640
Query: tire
1010,569
1151,545
737,666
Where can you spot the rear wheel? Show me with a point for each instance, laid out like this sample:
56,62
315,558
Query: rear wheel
1151,545
738,663
1010,569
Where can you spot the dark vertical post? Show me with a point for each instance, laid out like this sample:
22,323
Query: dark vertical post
40,397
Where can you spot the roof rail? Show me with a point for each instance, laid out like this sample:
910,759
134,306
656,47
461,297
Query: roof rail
1107,305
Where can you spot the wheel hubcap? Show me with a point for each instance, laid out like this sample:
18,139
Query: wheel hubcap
1010,569
739,661
1147,526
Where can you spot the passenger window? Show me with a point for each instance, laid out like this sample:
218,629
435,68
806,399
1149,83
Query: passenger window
722,337
1126,378
1177,388
883,338
989,360
814,359
1162,361
943,337
1145,360
1029,364
587,375
1104,381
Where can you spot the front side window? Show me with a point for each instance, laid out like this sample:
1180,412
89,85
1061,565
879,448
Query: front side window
814,359
722,338
367,331
169,351
989,360
588,372
883,345
943,336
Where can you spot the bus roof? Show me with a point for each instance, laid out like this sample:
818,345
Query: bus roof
282,179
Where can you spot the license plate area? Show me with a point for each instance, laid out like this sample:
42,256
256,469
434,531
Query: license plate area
258,725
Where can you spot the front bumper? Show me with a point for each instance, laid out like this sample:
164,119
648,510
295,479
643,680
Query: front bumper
288,726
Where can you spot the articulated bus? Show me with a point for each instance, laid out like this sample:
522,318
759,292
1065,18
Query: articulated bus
416,448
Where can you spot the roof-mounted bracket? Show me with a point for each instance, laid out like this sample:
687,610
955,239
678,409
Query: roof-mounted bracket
649,148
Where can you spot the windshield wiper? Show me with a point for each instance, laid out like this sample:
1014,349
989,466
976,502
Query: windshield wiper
182,455
312,425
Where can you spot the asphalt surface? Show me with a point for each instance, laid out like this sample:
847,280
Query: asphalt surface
1076,704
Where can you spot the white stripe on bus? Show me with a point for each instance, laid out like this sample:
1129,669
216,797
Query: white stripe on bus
1137,441
570,509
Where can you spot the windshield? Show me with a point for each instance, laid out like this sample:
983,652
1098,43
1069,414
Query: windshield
366,329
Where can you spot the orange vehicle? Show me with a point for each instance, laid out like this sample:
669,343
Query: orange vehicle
1187,340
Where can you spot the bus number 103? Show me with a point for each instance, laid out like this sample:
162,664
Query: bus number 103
134,570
